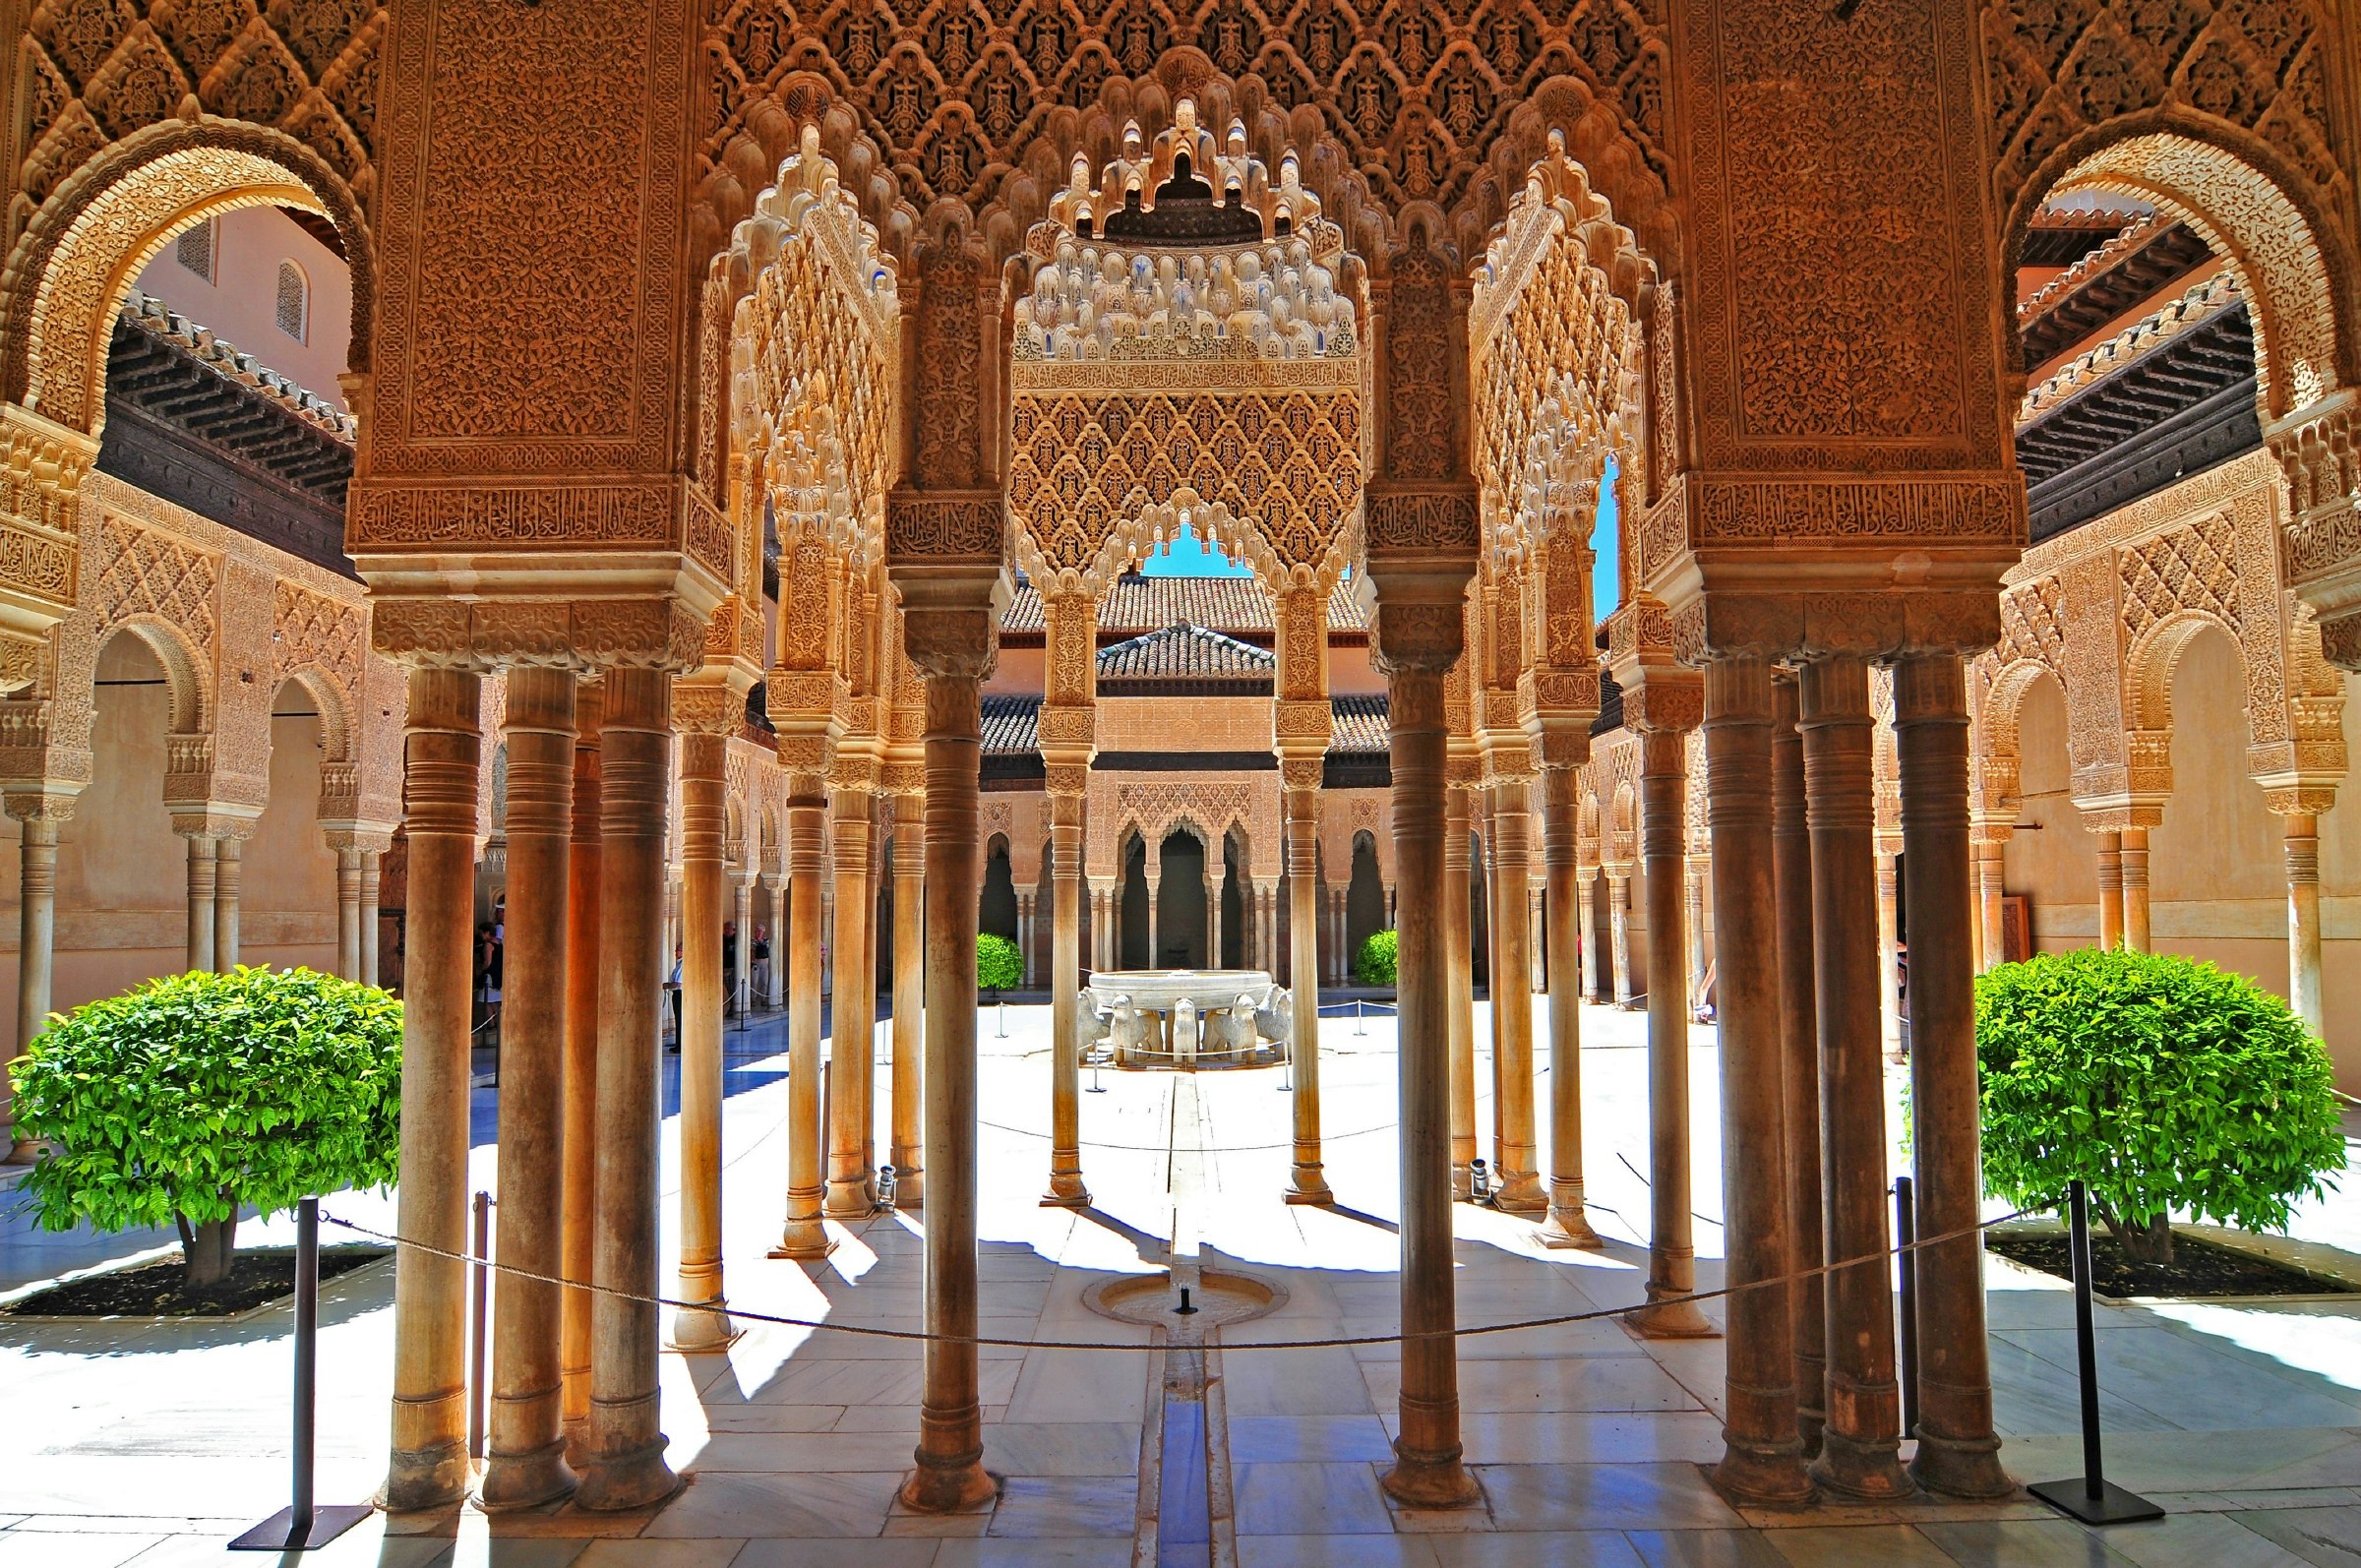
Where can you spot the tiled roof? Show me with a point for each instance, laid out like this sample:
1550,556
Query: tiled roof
155,317
1221,604
1012,725
1360,722
1185,652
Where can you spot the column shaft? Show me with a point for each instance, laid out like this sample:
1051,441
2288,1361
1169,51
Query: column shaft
1799,1059
2300,847
349,912
201,903
1664,848
1459,983
1586,930
623,1447
37,931
2110,889
428,1465
2135,890
1958,1451
1067,1188
909,1000
703,825
1990,865
1693,913
851,1052
1859,1442
526,1464
370,883
580,1198
744,998
1888,956
1520,1189
1567,1226
950,1422
1762,1459
1306,1182
228,867
1619,933
803,1235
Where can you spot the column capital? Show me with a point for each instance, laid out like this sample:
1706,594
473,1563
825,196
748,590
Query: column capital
2307,798
1661,693
951,612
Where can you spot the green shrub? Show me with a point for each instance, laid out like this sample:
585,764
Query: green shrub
1376,962
189,1096
999,966
2162,1083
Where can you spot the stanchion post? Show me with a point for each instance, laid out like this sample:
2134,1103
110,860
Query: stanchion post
2091,1497
1906,1238
479,1288
302,1525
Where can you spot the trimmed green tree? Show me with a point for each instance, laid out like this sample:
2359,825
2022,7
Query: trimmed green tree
189,1097
999,966
1378,962
2162,1083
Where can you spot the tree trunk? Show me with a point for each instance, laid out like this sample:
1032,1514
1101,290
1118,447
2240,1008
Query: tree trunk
207,1249
2145,1241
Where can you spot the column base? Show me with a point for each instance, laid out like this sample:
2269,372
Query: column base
1463,1181
1809,1423
909,1186
1675,1318
524,1481
1860,1473
1968,1468
1763,1474
1521,1192
700,1329
1307,1184
1066,1191
849,1198
951,1487
1567,1228
1426,1480
619,1481
805,1241
421,1479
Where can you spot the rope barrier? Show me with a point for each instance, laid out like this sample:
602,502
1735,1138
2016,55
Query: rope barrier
1167,1148
921,1336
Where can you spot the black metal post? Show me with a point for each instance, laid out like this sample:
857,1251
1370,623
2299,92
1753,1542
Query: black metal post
1906,1238
2089,1498
302,1525
479,1288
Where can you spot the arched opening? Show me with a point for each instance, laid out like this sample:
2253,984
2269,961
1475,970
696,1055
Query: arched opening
997,914
2218,843
1478,907
1365,913
1237,905
289,881
1132,944
1181,903
2051,859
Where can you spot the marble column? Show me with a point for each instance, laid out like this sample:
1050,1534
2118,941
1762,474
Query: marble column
1762,1458
1459,986
1213,910
201,901
1155,919
705,756
1859,1442
1428,1470
229,876
1619,933
851,1194
1067,1188
1693,911
950,1457
1958,1450
1024,936
526,1465
803,1235
1306,1182
1664,848
1519,1175
2299,846
2135,890
908,1148
581,1197
37,815
623,1447
1568,1224
1799,1059
2110,889
370,885
743,882
1889,957
429,1464
1586,930
774,883
1992,895
349,910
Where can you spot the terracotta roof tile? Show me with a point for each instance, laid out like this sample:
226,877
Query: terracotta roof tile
1185,652
1359,724
1012,725
1220,604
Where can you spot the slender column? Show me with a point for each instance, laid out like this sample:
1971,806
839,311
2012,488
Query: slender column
745,942
1664,832
370,884
1024,936
775,884
803,1235
1155,919
1520,1190
1459,986
1213,909
1619,933
909,1000
950,1456
1306,1182
1888,958
1990,865
1762,1459
1958,1451
1586,930
348,911
2300,846
429,1466
1799,1058
1693,908
2110,889
1859,1442
1267,894
1067,1188
36,927
851,1195
1561,819
200,902
527,1465
1488,868
704,822
622,1448
581,1197
228,867
2135,890
1428,1470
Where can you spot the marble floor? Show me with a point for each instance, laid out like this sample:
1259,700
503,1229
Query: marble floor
153,1444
